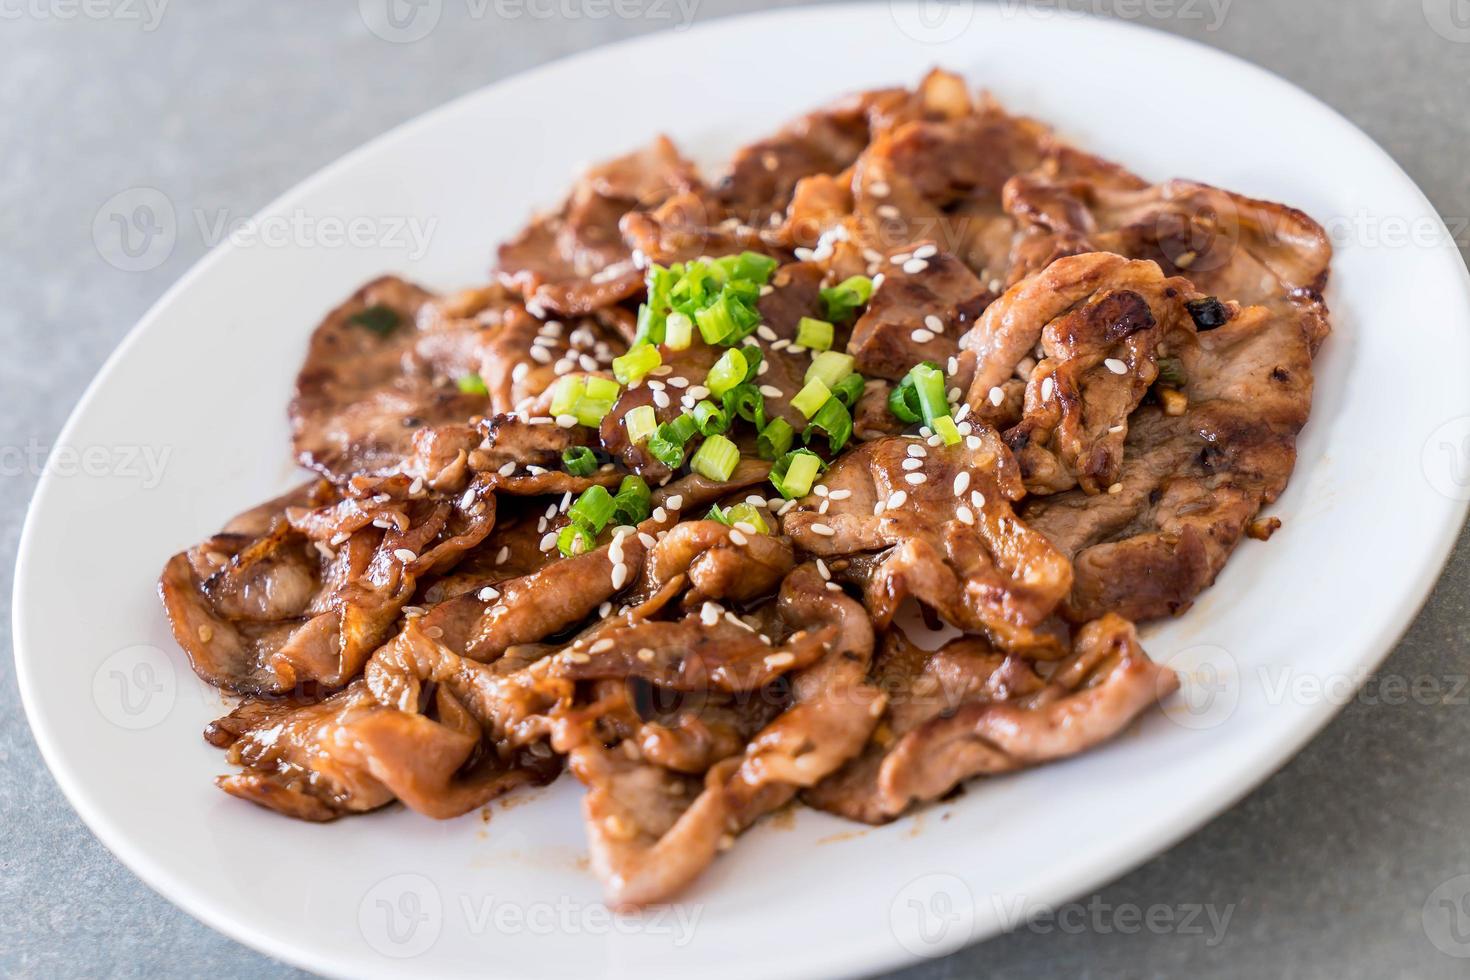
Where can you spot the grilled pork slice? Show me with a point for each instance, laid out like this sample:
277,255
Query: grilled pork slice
965,711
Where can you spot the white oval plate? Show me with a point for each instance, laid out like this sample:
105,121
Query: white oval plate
202,383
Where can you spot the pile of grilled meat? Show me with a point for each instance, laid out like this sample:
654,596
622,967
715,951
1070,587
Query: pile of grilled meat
647,505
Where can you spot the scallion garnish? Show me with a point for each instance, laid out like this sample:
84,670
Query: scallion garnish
812,397
775,439
945,429
579,461
746,402
592,509
634,501
813,334
716,514
794,473
833,419
831,367
726,373
746,513
574,540
715,459
640,423
710,418
472,384
637,363
842,299
849,389
929,384
667,442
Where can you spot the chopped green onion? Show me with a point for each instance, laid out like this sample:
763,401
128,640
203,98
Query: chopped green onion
716,514
667,443
849,389
573,539
748,267
715,459
598,396
831,367
945,429
929,383
752,356
579,461
842,299
903,402
592,509
710,418
833,419
641,421
726,373
381,320
775,439
811,398
717,322
634,365
566,394
794,473
748,514
746,402
678,332
472,384
634,502
814,334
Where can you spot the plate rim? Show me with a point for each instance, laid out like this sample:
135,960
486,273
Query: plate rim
1085,872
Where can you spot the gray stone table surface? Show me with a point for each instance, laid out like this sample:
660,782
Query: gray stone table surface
1326,870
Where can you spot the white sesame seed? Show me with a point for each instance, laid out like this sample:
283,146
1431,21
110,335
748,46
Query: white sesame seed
978,499
878,280
777,661
785,508
961,412
503,555
697,392
965,515
825,505
405,555
648,540
926,251
781,344
709,613
1047,385
660,515
915,478
823,571
972,442
839,494
604,609
825,530
467,499
1117,428
662,371
897,499
519,372
887,211
915,266
880,507
934,441
679,382
541,525
878,188
675,502
770,391
961,482
937,325
738,537
745,526
507,469
601,646
821,490
1116,488
541,355
661,399
833,587
488,594
548,541
913,464
997,396
762,368
1116,366
645,654
619,575
916,450
901,258
566,421
921,336
765,333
